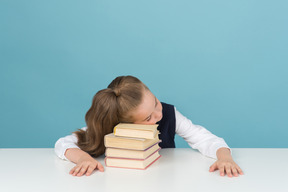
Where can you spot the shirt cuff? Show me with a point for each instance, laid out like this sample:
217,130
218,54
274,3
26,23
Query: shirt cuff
60,149
216,146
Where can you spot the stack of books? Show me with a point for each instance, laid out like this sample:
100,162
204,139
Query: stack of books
132,146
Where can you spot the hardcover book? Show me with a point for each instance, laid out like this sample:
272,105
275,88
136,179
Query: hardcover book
136,130
112,141
132,154
132,163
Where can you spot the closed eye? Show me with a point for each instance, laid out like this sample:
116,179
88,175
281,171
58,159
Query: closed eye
149,118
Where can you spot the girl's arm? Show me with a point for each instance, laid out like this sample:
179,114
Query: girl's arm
208,144
66,148
198,137
84,162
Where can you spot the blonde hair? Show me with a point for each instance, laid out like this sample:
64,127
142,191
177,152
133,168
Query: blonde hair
109,107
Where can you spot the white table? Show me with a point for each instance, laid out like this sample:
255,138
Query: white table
177,170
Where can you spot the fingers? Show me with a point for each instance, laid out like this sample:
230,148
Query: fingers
100,167
239,170
72,170
87,169
213,167
235,172
82,170
228,171
90,170
78,170
226,166
222,171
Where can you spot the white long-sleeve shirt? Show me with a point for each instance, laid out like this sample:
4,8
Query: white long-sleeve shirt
195,135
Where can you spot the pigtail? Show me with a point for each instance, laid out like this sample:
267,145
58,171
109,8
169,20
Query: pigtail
101,118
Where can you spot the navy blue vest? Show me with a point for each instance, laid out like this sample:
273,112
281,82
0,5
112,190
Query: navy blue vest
167,126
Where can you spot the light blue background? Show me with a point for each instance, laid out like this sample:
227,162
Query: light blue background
222,63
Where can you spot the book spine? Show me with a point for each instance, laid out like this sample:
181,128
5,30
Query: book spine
134,158
135,168
152,162
135,149
152,145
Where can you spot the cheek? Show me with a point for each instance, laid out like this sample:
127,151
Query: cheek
159,111
159,107
157,117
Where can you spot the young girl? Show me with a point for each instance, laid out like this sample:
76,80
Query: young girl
128,100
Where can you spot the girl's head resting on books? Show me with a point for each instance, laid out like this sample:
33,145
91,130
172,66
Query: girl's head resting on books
134,101
126,100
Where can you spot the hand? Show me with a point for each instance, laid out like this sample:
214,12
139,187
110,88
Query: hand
86,165
225,164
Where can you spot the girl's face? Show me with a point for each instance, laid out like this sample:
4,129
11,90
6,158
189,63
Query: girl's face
149,111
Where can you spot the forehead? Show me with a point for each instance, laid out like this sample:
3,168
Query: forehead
146,107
